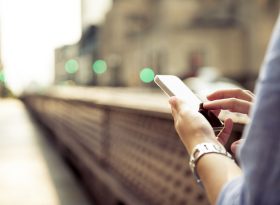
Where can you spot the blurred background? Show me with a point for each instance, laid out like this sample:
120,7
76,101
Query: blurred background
111,43
77,76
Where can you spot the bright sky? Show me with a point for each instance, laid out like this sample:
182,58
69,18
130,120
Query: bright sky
98,8
31,29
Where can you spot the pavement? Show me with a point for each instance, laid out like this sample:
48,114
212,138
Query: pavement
31,170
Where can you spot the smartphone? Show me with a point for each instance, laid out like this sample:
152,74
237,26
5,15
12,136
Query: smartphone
173,86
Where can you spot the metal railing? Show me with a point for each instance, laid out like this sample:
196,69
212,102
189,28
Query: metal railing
125,148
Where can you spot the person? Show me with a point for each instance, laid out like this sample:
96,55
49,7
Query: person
257,180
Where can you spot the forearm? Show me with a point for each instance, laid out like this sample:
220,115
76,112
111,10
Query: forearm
215,171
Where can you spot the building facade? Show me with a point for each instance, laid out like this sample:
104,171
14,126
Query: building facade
73,63
172,36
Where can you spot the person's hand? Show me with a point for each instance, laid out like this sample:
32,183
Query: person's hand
214,170
234,100
192,127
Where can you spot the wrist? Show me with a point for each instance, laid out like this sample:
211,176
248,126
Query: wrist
204,149
191,142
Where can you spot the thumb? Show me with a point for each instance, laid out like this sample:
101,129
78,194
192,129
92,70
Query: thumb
235,145
176,106
176,103
224,135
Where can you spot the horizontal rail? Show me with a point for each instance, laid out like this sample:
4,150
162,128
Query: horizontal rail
122,143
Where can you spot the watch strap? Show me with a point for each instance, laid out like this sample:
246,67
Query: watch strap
202,149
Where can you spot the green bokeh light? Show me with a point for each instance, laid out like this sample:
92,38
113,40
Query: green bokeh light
2,76
147,75
99,66
71,66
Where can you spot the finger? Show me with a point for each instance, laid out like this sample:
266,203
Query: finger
176,103
231,104
216,112
176,106
233,93
174,113
173,103
235,146
224,135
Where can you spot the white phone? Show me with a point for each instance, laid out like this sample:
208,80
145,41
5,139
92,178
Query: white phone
173,86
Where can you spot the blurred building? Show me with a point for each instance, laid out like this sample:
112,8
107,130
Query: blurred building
172,37
62,55
177,37
73,63
1,65
3,90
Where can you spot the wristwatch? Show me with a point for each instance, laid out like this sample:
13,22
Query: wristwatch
202,149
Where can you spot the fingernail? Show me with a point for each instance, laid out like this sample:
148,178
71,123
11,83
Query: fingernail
204,104
171,101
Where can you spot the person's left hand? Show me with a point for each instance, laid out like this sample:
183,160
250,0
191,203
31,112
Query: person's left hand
192,126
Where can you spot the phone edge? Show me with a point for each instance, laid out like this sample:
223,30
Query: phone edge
163,87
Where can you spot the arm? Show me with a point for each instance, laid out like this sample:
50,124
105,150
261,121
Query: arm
214,170
260,153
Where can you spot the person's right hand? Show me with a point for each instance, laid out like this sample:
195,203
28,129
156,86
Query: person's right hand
234,100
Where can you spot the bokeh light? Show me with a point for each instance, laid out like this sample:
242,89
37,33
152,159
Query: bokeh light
2,76
147,75
71,66
99,66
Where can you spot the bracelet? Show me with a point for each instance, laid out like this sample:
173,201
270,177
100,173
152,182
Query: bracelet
202,149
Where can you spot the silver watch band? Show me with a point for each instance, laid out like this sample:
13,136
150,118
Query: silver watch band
202,149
